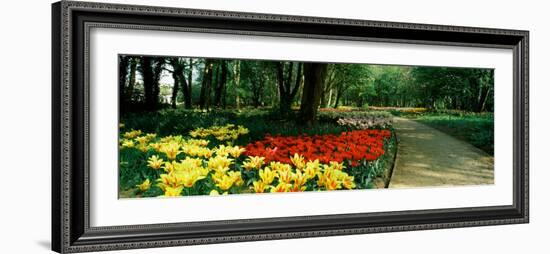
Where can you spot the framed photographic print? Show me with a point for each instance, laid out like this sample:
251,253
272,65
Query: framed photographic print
181,126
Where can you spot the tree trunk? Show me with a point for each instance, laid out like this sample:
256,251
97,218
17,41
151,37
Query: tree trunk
284,83
483,95
329,101
148,82
176,76
284,103
323,98
237,80
157,70
207,76
220,87
314,75
123,73
131,80
337,100
188,97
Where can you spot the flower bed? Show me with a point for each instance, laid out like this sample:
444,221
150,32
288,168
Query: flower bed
351,146
207,162
358,120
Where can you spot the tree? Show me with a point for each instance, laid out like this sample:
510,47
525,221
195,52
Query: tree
237,82
131,79
455,88
188,90
178,65
287,91
207,75
151,69
351,82
221,81
122,75
314,75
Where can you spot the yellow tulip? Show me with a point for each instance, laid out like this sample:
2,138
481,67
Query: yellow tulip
216,193
143,148
132,134
267,175
142,140
299,178
309,172
145,185
281,187
337,166
226,182
198,142
332,184
222,133
242,130
155,146
348,182
188,178
297,188
236,151
298,161
313,166
253,162
168,166
259,186
167,180
171,150
173,191
219,163
155,162
188,164
278,166
218,176
128,143
236,175
285,176
222,151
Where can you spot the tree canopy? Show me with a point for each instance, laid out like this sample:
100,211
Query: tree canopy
150,83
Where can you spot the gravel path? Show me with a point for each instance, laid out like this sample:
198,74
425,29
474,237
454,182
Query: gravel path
428,157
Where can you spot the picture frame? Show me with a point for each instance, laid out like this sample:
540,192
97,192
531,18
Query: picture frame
71,229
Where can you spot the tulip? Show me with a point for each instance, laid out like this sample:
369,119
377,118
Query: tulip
171,150
219,163
281,187
298,161
155,162
267,175
128,143
225,182
259,186
145,185
253,162
173,191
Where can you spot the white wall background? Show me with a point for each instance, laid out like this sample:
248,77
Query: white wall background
25,125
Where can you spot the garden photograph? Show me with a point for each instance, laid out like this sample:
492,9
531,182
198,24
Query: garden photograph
208,126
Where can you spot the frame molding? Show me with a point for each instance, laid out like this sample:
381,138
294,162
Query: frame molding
71,22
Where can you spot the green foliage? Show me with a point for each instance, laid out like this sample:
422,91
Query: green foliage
366,172
474,128
455,88
259,122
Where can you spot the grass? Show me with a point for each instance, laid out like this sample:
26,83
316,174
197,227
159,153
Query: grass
474,128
